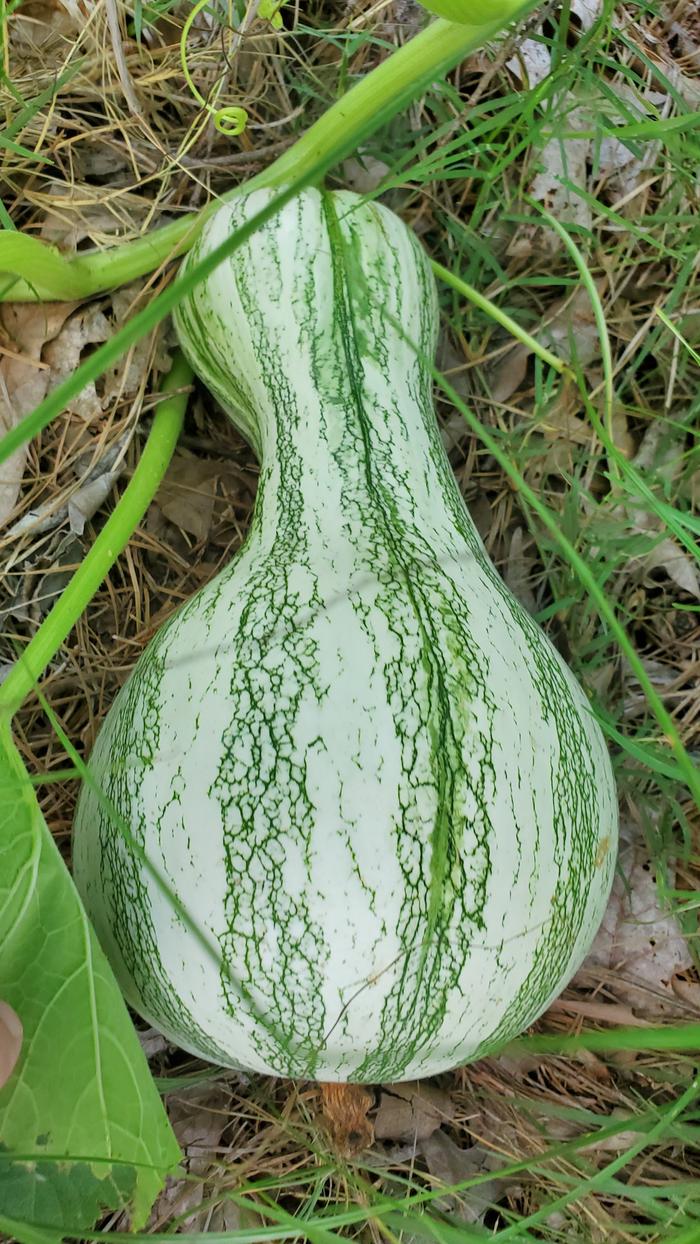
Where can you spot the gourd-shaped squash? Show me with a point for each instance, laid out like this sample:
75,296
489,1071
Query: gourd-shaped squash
353,759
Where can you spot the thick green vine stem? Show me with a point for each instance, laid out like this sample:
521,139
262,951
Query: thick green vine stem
40,273
115,534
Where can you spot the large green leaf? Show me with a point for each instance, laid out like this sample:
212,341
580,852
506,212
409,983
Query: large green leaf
82,1127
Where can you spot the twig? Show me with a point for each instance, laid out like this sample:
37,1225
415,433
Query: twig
116,35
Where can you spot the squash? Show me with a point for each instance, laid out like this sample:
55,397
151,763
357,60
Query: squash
358,764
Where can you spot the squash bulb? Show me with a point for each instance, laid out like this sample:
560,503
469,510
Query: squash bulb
379,806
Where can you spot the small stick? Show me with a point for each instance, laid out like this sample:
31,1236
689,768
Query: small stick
118,49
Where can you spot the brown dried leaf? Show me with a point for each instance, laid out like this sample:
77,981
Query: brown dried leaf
32,325
621,434
38,23
664,456
87,327
571,331
451,1165
188,492
152,1042
616,1143
181,1195
10,1041
411,1111
30,590
600,1012
531,63
638,941
127,378
564,160
454,429
587,11
680,567
518,571
226,1216
97,485
23,381
198,1119
364,174
595,1066
71,223
508,374
686,986
67,557
624,170
562,425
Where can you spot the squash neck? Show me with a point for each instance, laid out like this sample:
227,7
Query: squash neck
363,457
351,425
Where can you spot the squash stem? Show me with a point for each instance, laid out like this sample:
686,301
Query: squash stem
110,542
348,122
344,1114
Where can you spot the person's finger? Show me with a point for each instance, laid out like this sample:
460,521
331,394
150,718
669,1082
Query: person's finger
10,1041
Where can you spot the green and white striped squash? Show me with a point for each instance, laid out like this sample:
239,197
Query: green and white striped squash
353,758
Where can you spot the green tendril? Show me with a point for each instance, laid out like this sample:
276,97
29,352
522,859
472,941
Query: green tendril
230,121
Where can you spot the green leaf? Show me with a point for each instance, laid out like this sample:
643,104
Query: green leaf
65,1195
82,1128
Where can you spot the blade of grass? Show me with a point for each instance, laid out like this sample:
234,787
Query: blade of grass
599,1179
675,1037
678,335
500,317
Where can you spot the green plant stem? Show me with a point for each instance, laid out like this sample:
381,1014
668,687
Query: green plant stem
360,112
109,543
495,313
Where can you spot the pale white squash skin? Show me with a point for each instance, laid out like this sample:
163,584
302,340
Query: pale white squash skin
288,740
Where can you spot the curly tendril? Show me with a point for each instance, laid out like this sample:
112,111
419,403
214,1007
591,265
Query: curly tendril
230,121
